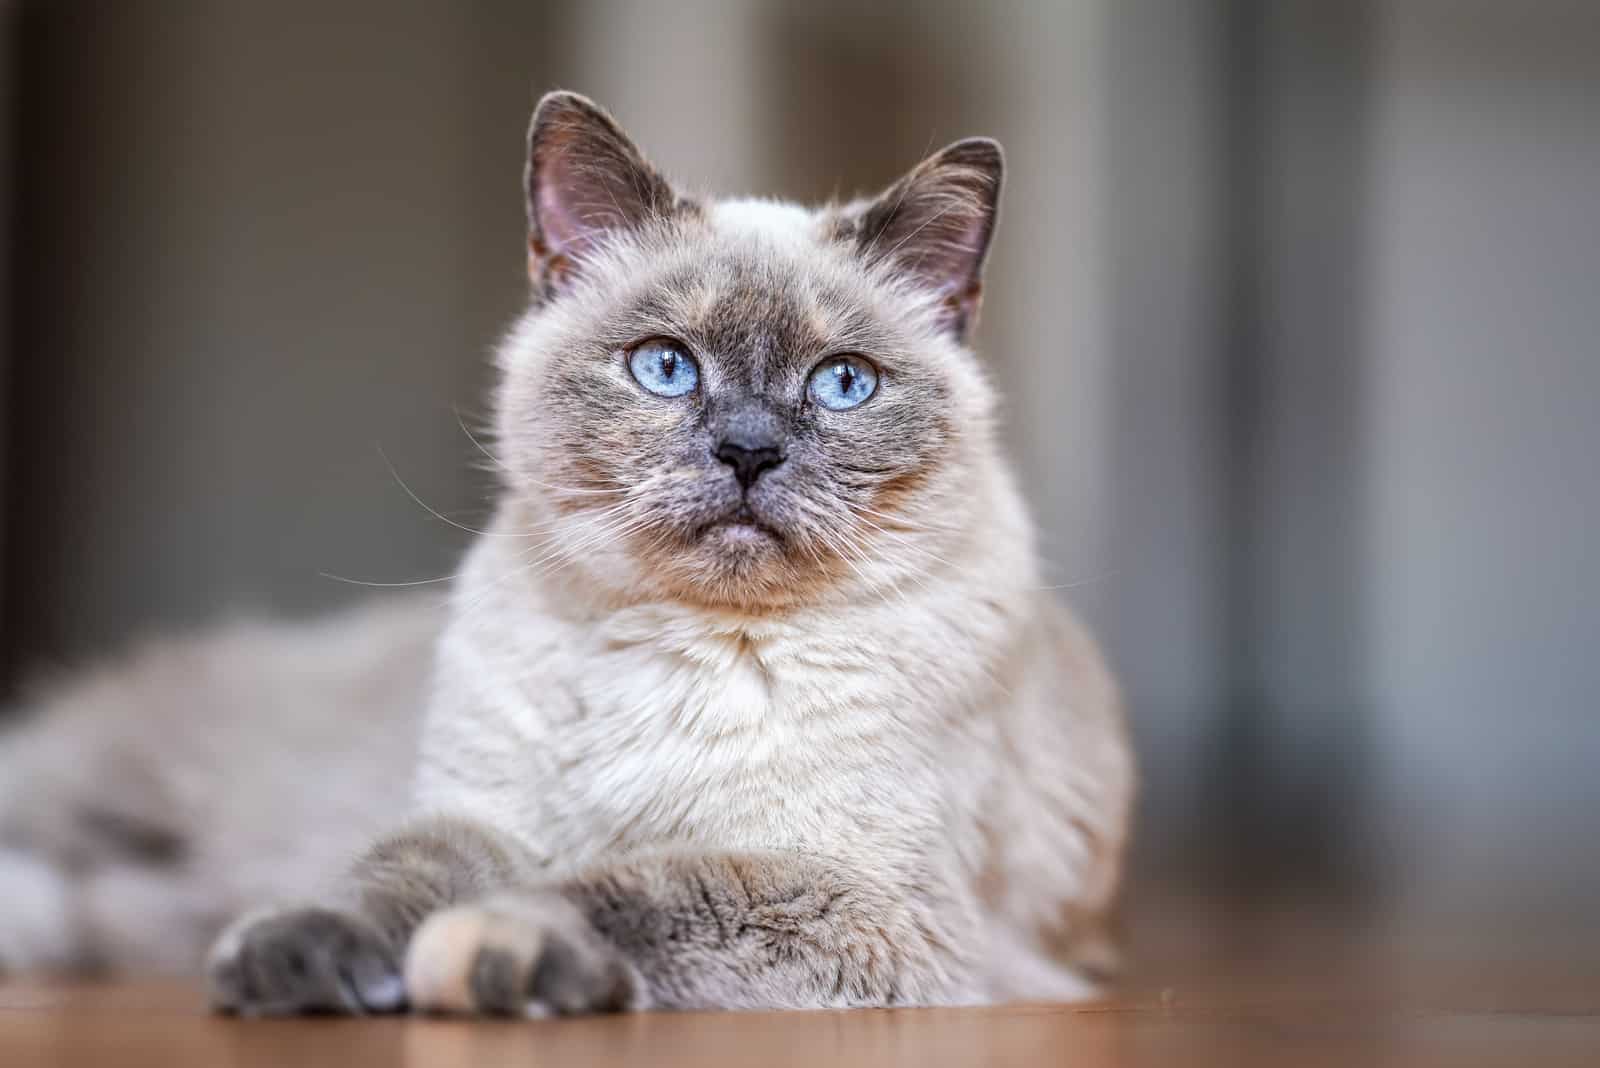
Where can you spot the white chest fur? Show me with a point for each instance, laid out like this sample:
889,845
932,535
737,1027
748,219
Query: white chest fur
658,726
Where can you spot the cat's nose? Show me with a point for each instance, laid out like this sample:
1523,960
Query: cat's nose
748,461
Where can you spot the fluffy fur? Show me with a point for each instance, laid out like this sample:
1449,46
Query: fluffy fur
146,803
815,741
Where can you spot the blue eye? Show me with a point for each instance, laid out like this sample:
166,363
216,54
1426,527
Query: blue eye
664,367
842,382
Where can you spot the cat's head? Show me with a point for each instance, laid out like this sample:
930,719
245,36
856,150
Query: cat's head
744,403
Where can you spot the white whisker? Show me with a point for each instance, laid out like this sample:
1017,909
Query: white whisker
386,585
426,507
462,423
1081,582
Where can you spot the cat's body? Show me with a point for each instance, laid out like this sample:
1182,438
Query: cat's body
146,803
956,742
750,695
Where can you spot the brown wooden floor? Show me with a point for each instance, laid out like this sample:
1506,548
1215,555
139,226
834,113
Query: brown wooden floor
1455,1016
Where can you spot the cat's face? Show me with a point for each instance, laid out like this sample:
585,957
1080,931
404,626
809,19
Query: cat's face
743,404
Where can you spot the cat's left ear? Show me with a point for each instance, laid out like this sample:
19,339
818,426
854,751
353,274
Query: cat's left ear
935,224
586,181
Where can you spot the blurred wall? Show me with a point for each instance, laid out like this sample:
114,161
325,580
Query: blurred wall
1482,428
261,243
1160,587
8,112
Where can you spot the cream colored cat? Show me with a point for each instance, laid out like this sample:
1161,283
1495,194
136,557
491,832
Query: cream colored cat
749,696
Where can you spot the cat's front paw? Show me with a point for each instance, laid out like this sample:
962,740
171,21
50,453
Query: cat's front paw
304,960
522,955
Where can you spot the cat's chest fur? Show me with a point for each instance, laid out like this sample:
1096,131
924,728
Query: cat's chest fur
652,728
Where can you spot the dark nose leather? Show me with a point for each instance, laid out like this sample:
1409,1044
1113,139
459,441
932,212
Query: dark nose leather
748,462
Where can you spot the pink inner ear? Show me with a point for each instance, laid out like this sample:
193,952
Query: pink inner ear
939,238
567,217
950,261
942,246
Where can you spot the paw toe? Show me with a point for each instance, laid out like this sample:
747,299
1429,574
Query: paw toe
305,960
571,978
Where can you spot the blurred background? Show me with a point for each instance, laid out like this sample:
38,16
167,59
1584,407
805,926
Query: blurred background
1296,305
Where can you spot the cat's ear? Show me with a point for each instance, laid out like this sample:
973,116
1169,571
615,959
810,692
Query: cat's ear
585,181
935,224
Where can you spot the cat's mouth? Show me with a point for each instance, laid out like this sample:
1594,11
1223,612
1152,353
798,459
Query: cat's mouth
741,525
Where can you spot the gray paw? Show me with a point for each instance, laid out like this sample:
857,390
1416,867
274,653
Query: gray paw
522,955
304,960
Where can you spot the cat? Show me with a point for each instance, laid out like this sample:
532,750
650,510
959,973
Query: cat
748,696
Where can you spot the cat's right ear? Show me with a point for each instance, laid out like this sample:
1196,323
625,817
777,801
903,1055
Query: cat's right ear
585,181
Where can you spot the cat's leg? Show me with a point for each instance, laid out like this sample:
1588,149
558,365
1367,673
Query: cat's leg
346,957
694,931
